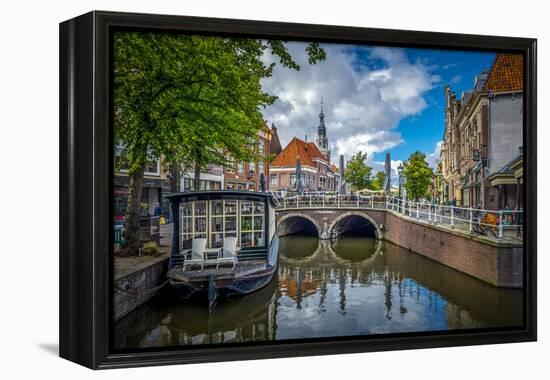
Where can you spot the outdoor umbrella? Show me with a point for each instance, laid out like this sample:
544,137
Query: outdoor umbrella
342,187
262,182
387,181
299,184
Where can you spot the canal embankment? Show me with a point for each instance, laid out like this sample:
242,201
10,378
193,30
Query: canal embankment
137,279
137,282
497,262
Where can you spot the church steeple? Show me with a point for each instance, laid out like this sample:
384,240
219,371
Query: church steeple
322,140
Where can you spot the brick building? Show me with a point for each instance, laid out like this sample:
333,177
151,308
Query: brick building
240,175
483,132
317,172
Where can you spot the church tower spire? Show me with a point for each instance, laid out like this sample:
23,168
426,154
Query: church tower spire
322,140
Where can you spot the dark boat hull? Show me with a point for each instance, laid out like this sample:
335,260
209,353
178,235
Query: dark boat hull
214,285
224,288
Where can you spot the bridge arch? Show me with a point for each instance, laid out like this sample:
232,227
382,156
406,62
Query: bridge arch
295,223
347,221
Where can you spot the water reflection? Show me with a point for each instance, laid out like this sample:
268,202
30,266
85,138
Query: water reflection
354,286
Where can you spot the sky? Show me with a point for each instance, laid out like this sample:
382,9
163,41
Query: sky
376,99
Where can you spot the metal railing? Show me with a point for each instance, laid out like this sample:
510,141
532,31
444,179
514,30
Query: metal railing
316,200
495,222
499,223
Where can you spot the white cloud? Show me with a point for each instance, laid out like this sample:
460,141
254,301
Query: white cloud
433,157
363,106
451,65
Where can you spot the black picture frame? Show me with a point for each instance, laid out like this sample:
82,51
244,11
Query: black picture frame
86,176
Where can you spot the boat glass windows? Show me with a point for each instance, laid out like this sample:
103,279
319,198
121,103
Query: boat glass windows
252,224
193,222
218,219
223,221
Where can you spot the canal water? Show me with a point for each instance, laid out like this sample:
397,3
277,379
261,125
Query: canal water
352,286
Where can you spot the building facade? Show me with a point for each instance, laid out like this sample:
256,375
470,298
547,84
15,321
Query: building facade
239,175
483,132
316,170
156,185
211,179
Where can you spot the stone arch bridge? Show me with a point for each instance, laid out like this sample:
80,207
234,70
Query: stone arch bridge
331,222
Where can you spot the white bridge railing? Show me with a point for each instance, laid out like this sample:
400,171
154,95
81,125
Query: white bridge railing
498,223
319,200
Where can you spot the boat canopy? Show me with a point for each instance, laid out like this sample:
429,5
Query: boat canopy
190,196
215,215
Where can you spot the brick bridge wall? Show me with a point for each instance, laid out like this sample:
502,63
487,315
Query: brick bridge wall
500,264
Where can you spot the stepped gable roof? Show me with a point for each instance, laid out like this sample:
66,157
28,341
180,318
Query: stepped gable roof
506,73
307,151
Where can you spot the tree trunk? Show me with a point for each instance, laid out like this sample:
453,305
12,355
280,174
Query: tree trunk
133,212
175,176
197,177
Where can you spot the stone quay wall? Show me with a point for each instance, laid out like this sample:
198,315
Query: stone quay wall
133,289
497,263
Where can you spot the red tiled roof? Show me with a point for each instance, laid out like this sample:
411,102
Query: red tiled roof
334,168
307,151
506,73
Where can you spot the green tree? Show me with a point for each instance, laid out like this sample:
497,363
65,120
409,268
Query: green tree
191,101
357,172
378,182
418,176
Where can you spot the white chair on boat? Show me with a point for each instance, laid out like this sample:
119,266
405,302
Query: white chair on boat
228,254
198,247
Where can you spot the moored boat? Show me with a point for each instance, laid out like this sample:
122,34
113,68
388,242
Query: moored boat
224,243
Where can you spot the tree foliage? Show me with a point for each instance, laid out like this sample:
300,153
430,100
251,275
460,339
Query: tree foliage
357,172
418,176
193,101
377,182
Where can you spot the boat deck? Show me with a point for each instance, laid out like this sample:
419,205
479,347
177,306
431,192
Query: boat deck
242,269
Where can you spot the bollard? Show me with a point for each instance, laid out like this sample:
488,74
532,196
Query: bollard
358,197
309,200
430,213
323,201
471,219
417,213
